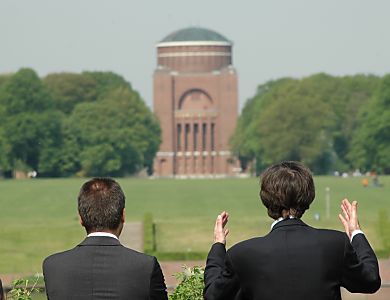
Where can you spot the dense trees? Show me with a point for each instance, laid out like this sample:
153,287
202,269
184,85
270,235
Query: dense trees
371,143
330,123
94,123
91,124
29,122
116,135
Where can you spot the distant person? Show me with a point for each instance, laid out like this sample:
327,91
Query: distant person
375,181
365,182
294,261
100,267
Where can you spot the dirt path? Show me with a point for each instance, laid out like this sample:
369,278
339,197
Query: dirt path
170,268
132,236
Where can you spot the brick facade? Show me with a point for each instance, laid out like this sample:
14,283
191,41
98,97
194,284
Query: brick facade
196,101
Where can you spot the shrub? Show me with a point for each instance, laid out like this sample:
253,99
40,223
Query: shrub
149,234
22,290
191,285
384,230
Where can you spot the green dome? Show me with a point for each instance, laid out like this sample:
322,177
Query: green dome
194,34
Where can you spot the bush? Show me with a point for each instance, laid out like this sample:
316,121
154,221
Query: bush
191,285
22,290
384,229
149,234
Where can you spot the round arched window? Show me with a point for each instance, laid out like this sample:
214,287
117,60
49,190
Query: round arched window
195,100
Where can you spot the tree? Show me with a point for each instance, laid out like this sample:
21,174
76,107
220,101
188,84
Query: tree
70,89
294,126
30,123
371,141
107,82
4,78
5,150
312,119
24,92
116,136
245,140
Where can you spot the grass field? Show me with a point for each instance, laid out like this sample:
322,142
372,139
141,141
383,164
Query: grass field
39,217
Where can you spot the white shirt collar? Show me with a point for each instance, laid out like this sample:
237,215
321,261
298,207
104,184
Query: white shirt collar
100,233
279,220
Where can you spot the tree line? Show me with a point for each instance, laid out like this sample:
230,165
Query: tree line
68,124
95,123
329,123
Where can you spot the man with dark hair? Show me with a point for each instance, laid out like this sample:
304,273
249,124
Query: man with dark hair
294,261
100,267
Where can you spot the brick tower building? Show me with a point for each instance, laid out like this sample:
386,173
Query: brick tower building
196,102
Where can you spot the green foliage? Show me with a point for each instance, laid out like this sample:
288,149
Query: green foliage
23,290
30,124
149,234
107,82
371,143
70,89
384,230
89,124
191,285
312,120
32,135
115,136
5,152
24,92
3,79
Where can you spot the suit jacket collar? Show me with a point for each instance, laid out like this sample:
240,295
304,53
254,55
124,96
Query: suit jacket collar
100,241
288,222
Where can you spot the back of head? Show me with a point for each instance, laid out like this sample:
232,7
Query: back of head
287,186
101,202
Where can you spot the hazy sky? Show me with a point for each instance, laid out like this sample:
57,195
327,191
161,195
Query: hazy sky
272,38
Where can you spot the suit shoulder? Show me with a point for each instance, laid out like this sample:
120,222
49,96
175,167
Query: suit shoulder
138,255
332,236
331,232
57,256
241,246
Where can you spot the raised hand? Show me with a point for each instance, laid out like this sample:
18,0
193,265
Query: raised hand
220,232
349,218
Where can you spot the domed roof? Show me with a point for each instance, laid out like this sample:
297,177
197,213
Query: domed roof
194,34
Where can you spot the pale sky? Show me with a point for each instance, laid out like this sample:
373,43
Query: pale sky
272,38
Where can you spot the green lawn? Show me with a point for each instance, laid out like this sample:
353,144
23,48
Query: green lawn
39,217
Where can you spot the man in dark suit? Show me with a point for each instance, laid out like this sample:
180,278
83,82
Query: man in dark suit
100,267
294,261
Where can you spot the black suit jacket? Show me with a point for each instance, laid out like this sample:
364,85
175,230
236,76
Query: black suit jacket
101,268
294,261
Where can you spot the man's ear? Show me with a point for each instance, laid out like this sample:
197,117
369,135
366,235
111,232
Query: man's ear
81,221
123,216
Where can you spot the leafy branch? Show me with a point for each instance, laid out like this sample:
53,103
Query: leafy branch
23,290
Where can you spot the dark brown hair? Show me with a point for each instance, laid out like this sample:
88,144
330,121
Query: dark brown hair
287,186
100,203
